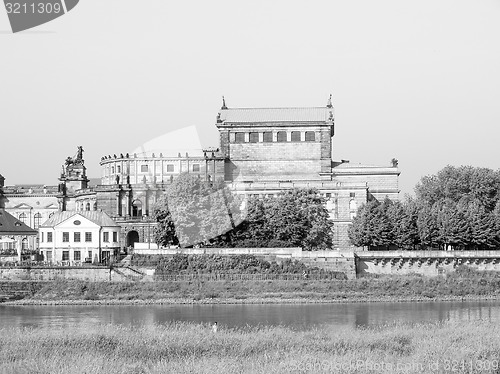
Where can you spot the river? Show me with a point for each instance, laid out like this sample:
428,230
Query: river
299,316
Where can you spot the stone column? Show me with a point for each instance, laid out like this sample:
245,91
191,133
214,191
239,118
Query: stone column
118,204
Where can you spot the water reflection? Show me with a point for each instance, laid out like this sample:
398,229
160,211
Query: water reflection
300,316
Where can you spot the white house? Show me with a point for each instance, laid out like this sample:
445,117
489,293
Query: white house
75,237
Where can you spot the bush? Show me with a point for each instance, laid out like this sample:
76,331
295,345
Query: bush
241,264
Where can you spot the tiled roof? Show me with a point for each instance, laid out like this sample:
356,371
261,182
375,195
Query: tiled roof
98,217
10,225
256,115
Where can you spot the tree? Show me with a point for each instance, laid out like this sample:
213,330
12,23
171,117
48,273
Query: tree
372,226
404,217
359,230
428,227
295,217
482,226
455,183
164,233
195,212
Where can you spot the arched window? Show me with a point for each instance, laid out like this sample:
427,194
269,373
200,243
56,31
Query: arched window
136,208
24,244
37,220
310,136
23,217
51,214
281,136
87,206
95,205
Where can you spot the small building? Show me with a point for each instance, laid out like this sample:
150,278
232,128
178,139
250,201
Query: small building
16,238
72,238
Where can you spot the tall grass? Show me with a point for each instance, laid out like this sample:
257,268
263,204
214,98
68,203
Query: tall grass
459,285
192,348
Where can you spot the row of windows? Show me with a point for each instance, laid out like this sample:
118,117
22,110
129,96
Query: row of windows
77,255
37,219
77,237
169,168
267,137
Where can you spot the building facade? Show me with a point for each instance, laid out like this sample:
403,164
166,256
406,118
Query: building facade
73,238
262,152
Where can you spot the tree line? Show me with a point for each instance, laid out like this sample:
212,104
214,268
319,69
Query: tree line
458,208
193,212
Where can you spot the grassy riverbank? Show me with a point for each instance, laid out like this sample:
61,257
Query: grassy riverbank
464,284
192,348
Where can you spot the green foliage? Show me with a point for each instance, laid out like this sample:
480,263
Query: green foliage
458,208
193,212
196,264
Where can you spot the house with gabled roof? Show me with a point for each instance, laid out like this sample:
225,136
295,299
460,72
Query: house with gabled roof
17,240
73,238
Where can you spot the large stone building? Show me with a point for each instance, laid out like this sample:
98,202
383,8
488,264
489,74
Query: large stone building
262,151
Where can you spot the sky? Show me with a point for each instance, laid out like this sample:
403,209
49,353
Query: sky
414,80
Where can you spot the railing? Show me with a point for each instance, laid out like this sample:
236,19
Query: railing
249,277
50,264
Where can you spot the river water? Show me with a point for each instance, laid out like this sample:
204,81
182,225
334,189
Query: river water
301,316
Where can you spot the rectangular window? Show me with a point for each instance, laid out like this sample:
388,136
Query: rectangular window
295,136
88,237
254,137
268,137
144,168
76,237
352,194
281,136
310,137
170,168
49,237
65,237
89,258
105,237
118,169
65,256
239,137
77,256
42,236
115,237
196,167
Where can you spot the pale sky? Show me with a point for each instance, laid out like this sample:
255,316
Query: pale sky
418,81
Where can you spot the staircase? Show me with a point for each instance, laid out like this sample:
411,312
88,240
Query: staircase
128,273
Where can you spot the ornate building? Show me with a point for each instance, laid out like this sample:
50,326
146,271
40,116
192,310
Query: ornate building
262,151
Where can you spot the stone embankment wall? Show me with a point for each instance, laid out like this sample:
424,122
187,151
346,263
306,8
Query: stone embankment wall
342,262
23,273
429,263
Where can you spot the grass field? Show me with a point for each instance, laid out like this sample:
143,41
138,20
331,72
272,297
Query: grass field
193,348
463,284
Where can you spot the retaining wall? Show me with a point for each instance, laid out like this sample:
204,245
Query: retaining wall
429,263
53,273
